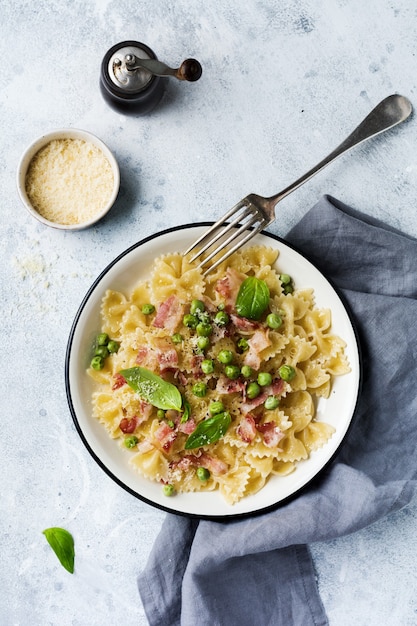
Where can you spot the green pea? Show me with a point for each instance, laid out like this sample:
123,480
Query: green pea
225,356
272,402
102,339
113,346
216,407
147,309
196,305
285,279
170,423
232,371
200,390
203,329
246,371
221,306
176,338
131,441
253,390
190,320
287,283
97,363
221,318
286,372
168,490
202,474
264,379
160,414
203,343
207,366
243,344
102,351
273,320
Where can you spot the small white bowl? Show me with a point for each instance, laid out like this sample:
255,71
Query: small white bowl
41,142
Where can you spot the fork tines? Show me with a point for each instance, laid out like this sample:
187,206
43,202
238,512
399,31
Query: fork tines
246,223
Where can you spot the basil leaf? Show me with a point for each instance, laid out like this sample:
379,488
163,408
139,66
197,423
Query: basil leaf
209,431
252,298
153,388
62,544
187,411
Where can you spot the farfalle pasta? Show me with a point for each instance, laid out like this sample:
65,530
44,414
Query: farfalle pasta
248,385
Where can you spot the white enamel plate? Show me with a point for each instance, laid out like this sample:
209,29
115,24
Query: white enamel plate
122,274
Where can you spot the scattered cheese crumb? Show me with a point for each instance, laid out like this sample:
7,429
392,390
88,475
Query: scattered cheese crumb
69,181
30,265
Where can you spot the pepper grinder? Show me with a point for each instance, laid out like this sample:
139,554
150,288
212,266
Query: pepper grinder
132,80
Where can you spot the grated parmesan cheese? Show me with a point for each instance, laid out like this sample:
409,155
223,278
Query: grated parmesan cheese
69,181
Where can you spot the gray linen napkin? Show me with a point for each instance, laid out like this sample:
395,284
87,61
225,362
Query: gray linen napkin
259,570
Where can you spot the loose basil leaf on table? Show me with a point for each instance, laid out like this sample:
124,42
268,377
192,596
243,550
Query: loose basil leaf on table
209,431
152,388
252,298
62,543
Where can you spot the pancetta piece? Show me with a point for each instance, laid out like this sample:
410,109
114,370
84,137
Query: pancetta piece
247,428
272,434
169,314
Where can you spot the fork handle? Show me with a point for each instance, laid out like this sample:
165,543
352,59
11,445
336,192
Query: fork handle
388,113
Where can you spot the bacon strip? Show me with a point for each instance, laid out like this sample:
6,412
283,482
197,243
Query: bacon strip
226,385
272,434
145,446
167,359
184,463
142,355
187,427
274,389
147,357
243,324
145,411
258,342
128,425
196,361
250,405
169,314
119,381
277,387
228,286
165,435
247,428
214,465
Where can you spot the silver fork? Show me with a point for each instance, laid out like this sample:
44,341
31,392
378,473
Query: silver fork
253,213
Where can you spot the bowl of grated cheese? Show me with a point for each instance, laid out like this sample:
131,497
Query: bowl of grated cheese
68,179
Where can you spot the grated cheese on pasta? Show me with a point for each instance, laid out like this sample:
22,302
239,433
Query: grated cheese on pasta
69,181
260,442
